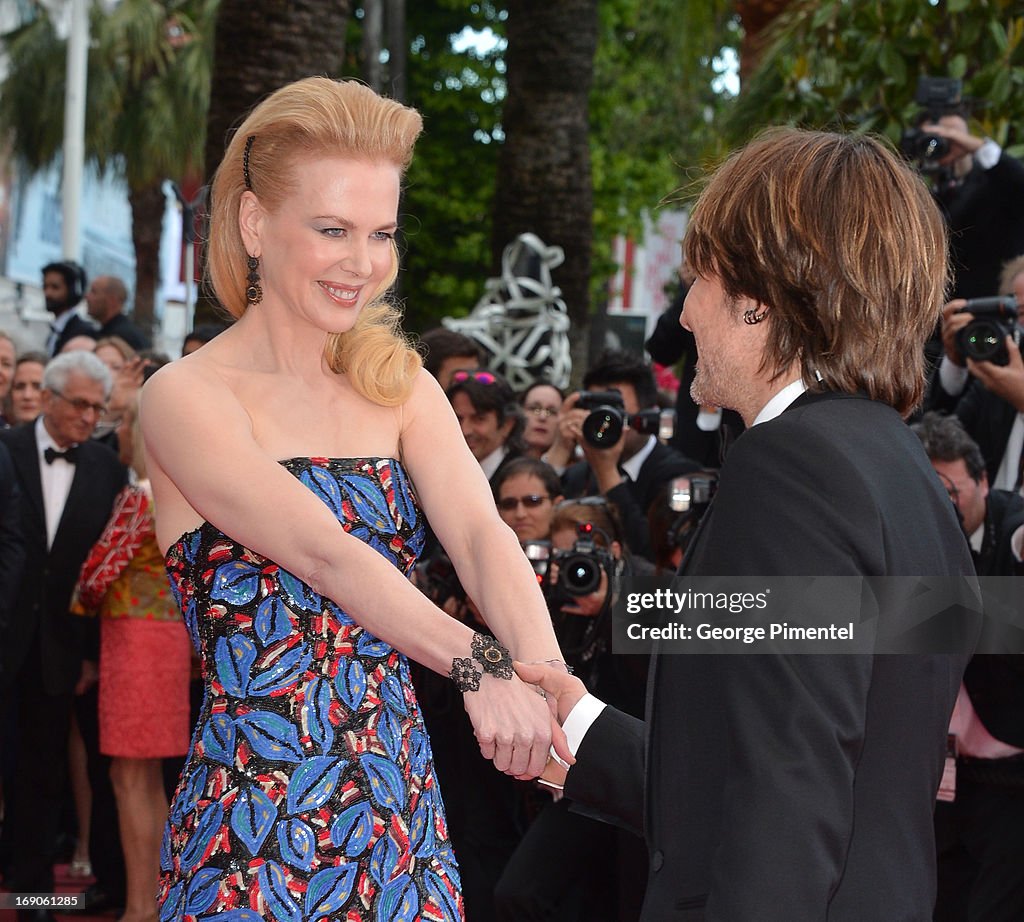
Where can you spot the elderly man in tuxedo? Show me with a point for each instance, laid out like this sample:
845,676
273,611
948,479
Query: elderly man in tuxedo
774,788
68,484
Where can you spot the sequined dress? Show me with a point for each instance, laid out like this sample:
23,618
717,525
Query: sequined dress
309,789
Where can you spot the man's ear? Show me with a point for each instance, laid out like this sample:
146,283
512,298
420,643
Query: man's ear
250,222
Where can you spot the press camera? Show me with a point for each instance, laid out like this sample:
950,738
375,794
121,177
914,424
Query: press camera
937,96
607,419
984,338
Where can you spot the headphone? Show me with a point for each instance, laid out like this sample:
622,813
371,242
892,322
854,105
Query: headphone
74,277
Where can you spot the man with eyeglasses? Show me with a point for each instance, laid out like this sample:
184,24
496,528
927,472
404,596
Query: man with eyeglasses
980,832
68,484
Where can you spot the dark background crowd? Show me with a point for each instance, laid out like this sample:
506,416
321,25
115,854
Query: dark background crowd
595,486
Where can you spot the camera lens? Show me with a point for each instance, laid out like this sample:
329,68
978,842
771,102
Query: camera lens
603,427
982,341
580,574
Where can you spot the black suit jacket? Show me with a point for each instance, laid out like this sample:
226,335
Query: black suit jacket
633,498
42,601
76,326
119,325
12,552
782,788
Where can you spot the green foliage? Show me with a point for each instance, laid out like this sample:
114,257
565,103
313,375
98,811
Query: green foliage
146,92
652,109
853,65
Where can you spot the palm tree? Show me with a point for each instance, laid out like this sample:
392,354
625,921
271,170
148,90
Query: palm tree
147,93
544,181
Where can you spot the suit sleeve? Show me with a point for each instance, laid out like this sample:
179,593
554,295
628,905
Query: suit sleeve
608,777
795,723
12,547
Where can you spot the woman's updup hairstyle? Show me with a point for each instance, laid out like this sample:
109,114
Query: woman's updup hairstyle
317,117
844,244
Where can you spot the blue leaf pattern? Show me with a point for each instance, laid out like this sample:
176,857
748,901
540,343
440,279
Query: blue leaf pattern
235,656
310,775
384,860
386,787
219,739
298,594
440,894
400,901
389,729
283,673
369,503
351,684
368,645
297,843
274,887
202,891
252,818
317,710
393,694
236,582
271,736
313,783
272,622
325,486
207,828
329,890
352,830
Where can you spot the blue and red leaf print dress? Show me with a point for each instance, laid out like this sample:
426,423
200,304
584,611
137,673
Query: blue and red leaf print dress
309,789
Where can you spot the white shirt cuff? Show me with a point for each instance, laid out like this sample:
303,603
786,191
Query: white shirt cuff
579,719
987,156
952,377
1016,545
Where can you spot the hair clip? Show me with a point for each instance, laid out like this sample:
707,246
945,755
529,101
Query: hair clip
246,175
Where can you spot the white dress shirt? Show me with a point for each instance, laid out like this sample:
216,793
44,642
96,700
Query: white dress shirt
56,481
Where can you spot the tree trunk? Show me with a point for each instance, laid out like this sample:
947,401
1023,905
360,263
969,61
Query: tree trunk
544,182
373,30
756,16
147,204
398,50
308,39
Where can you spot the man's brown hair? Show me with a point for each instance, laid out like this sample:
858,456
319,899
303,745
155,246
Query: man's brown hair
844,244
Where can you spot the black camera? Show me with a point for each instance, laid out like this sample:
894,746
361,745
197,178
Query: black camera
607,418
984,338
937,96
692,494
567,575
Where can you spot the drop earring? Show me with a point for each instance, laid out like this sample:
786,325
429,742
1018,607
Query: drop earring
253,289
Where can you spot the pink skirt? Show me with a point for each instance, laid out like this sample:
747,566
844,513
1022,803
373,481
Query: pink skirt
143,688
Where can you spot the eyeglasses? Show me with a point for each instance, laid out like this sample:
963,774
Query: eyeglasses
481,377
80,405
541,412
532,501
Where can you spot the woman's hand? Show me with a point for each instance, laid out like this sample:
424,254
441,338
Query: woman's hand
514,726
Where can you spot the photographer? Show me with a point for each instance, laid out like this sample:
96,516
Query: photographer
628,471
980,833
570,866
986,396
980,188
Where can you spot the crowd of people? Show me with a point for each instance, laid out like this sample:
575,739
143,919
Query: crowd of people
353,567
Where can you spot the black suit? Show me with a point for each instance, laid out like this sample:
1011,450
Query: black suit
12,551
121,326
44,644
980,835
632,498
795,787
76,326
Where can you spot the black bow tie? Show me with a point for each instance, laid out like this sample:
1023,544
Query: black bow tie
70,455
